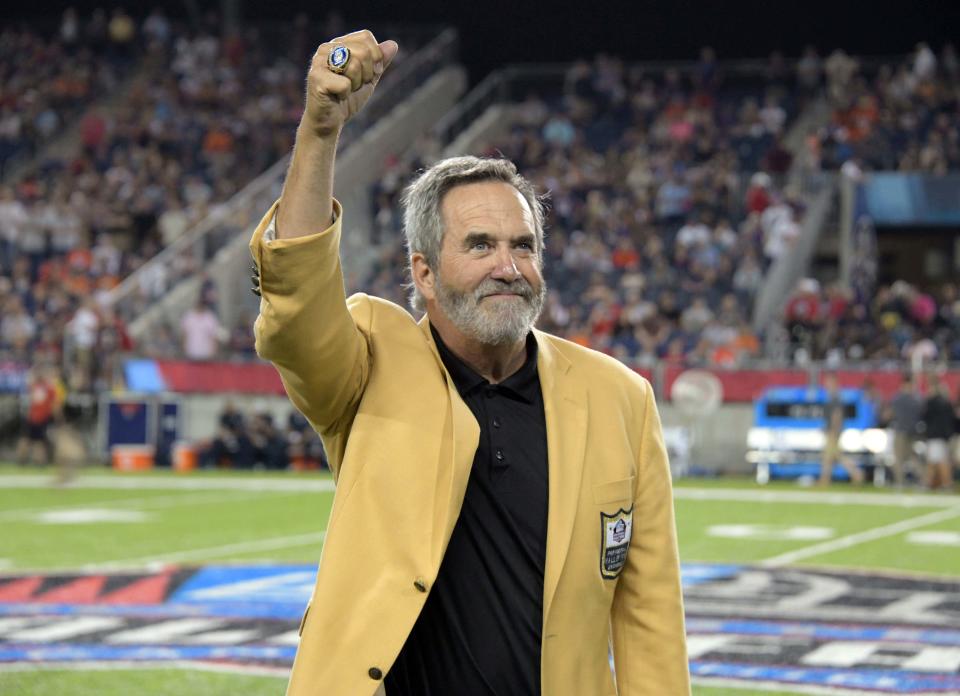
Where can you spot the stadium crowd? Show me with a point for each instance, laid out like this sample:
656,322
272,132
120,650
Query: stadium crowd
902,117
894,323
664,207
48,80
668,195
162,157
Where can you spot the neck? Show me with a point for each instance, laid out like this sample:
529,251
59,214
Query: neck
492,362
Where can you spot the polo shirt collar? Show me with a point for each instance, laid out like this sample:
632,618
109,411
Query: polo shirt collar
523,384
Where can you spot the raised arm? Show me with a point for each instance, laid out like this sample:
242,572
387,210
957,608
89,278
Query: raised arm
305,327
331,100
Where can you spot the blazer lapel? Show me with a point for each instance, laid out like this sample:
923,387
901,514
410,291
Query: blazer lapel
565,411
465,438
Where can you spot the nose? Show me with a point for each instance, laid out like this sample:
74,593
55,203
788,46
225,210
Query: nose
506,266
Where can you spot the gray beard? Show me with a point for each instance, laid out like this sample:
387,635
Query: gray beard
492,322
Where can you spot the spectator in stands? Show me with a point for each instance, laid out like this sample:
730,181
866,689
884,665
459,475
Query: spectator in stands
13,218
201,332
938,423
833,416
809,72
241,342
906,412
840,70
81,336
17,328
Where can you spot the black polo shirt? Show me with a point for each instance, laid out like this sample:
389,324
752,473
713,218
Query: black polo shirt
479,633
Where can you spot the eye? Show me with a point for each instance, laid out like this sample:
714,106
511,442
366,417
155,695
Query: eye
480,246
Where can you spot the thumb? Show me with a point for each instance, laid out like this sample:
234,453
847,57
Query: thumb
389,50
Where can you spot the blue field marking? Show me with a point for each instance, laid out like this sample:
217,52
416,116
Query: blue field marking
756,636
284,585
692,574
820,631
874,681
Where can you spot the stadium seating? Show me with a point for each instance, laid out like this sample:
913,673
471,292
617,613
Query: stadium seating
895,116
668,193
653,250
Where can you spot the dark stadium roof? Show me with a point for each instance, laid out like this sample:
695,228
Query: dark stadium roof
496,32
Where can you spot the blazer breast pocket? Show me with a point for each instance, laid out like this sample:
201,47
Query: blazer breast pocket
620,491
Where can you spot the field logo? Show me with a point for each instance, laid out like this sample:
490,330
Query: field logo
799,629
615,540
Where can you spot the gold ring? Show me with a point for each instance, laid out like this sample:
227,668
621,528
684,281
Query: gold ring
338,58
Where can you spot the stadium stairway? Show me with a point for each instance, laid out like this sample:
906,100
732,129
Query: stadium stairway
421,89
820,194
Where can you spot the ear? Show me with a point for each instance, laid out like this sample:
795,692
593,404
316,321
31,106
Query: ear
423,276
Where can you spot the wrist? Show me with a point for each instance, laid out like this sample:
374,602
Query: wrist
316,136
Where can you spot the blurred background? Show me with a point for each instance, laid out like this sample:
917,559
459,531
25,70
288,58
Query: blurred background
756,207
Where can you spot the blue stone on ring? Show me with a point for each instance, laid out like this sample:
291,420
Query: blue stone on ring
338,59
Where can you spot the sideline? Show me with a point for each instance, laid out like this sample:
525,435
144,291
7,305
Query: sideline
326,485
172,484
815,497
862,537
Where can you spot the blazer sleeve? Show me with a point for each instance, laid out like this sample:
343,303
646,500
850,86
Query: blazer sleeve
647,626
305,328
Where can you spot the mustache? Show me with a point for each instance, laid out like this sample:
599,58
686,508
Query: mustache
492,286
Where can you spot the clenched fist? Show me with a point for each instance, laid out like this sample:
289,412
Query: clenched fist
332,98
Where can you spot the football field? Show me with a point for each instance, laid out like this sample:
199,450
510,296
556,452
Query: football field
180,584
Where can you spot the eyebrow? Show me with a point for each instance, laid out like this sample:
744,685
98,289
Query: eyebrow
476,237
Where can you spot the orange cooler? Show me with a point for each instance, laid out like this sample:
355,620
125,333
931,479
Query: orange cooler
184,457
132,457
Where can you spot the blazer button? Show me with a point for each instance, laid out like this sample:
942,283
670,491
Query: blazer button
420,585
375,673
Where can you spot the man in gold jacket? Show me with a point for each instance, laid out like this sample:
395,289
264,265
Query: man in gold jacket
424,586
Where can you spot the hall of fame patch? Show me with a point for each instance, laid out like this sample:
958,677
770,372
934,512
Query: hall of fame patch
615,532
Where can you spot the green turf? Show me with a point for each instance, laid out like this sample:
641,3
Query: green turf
146,682
694,517
898,552
175,521
178,682
193,527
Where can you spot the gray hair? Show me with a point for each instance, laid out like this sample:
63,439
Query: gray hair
422,221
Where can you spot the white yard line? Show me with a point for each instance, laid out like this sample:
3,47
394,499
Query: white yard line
845,542
209,552
186,483
814,497
155,502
